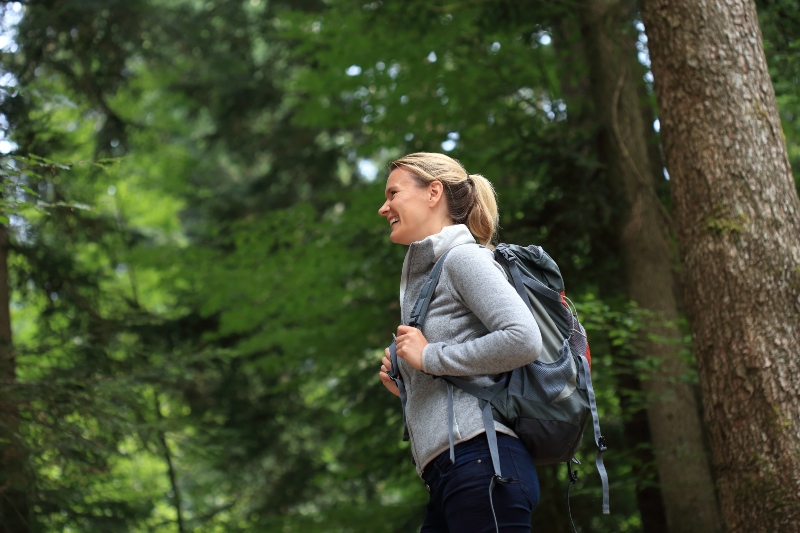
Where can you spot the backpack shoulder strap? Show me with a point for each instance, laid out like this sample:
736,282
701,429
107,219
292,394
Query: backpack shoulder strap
420,309
501,255
417,320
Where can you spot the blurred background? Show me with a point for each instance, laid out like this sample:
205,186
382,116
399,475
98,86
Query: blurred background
200,288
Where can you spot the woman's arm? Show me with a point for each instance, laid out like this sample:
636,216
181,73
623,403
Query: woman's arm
513,340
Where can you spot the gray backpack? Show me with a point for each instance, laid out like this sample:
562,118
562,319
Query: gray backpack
548,402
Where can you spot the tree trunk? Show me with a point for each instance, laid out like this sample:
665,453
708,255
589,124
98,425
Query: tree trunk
673,413
738,220
575,90
14,516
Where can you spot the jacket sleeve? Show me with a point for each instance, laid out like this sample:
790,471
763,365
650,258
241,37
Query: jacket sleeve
513,340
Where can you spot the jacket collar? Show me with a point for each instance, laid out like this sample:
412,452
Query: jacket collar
423,254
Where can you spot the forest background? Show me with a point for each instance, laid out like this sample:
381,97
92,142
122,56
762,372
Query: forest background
200,288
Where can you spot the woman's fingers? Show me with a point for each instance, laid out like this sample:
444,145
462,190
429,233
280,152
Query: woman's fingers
390,385
386,367
402,330
410,344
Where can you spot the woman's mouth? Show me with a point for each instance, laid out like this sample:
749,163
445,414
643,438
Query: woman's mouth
394,220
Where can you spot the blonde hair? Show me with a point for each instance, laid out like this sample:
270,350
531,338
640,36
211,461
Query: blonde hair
471,199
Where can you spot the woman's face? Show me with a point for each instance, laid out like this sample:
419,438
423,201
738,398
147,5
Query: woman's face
411,210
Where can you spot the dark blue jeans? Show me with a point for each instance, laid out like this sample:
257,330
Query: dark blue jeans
460,491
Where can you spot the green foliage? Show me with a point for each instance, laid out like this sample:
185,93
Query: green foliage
19,200
484,79
201,286
780,26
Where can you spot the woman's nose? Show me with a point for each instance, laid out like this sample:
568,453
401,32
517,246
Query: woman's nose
384,209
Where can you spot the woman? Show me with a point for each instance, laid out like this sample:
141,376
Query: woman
476,327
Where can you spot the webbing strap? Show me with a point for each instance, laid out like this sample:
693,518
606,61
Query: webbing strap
491,436
470,388
516,276
450,417
599,439
584,377
486,415
492,484
538,286
394,374
420,309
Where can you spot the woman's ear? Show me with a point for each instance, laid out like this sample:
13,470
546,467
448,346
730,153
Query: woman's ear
436,192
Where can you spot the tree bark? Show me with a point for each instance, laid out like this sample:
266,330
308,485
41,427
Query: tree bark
14,512
738,218
576,91
673,412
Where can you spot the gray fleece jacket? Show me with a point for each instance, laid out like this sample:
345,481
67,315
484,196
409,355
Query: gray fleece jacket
477,327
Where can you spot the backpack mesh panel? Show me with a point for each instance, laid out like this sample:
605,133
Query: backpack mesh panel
578,341
547,380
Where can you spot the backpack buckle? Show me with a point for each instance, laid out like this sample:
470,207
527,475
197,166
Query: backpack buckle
573,476
601,444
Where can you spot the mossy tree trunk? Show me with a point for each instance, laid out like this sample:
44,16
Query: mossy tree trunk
673,411
738,220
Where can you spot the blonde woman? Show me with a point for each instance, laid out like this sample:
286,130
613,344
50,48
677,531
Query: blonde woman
476,328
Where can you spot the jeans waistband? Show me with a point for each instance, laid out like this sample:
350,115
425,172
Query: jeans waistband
477,444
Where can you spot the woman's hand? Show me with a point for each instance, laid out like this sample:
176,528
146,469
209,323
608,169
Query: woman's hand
410,343
386,367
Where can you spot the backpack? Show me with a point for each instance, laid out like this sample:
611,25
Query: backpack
547,403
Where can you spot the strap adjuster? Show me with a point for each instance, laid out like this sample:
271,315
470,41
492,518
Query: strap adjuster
573,475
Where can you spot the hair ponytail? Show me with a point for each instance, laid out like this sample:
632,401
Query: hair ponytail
483,218
471,199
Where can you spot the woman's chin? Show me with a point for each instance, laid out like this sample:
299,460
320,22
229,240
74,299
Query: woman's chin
397,238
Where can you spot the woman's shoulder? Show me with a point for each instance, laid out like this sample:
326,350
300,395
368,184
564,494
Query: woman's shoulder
469,251
470,260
